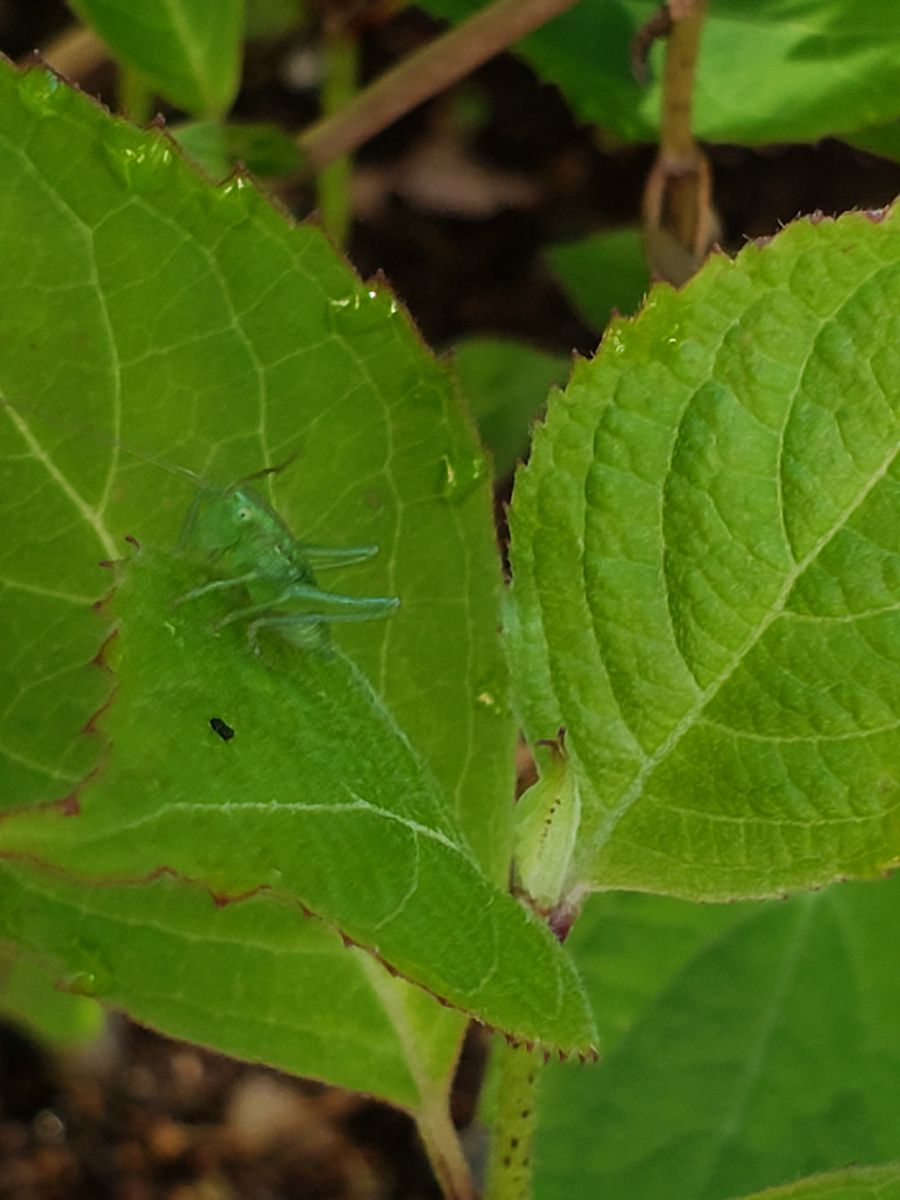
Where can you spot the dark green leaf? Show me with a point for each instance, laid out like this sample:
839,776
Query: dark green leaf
751,1044
602,272
505,384
217,147
770,70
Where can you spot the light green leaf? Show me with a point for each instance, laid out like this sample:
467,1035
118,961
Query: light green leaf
217,146
749,1044
854,1183
706,567
602,272
505,385
187,50
769,71
252,979
27,995
143,308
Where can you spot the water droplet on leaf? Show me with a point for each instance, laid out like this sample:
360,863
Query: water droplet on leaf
460,474
145,166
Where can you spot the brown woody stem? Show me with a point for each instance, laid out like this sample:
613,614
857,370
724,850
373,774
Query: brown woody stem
680,223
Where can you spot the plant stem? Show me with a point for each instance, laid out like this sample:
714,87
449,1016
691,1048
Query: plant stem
430,70
680,222
676,144
509,1167
135,97
341,64
445,1154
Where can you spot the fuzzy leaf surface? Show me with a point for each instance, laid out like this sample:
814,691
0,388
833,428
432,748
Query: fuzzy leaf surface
769,70
187,50
748,1044
706,574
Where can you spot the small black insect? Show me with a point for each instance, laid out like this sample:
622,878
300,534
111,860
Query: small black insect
224,730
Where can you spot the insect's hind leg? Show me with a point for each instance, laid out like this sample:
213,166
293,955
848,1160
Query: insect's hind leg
310,623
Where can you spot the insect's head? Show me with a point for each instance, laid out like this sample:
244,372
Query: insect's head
221,520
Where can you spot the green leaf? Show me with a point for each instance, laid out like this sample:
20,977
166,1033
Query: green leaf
218,147
187,50
27,995
878,139
263,343
271,19
749,1044
602,272
505,384
316,799
143,308
854,1183
706,570
250,979
769,71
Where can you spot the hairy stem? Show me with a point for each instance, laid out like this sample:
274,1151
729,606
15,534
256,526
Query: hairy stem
509,1167
430,70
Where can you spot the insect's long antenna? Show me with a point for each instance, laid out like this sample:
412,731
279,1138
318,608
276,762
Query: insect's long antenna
102,439
261,474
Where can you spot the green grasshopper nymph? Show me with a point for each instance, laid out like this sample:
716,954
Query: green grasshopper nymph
242,543
239,535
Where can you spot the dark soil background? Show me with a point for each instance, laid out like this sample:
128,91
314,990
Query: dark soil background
454,204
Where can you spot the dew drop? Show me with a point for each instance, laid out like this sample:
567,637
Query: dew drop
143,166
364,311
460,473
37,86
490,695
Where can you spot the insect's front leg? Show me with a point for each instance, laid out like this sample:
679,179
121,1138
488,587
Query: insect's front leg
216,585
